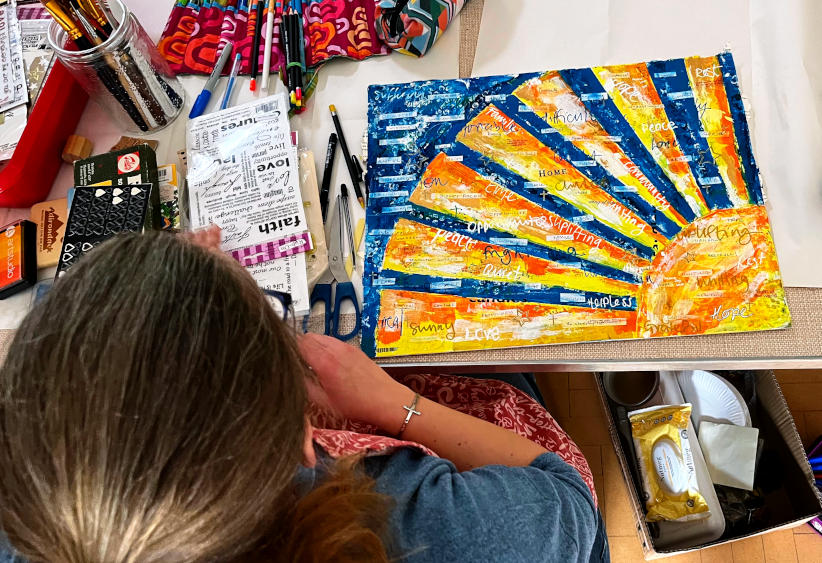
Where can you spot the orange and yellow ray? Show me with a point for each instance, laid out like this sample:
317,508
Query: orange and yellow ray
705,76
412,322
452,188
415,248
719,274
555,102
497,136
632,91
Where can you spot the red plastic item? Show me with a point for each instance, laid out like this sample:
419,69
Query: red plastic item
27,177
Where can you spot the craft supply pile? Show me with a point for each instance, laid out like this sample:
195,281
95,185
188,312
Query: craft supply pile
704,454
600,203
294,38
239,166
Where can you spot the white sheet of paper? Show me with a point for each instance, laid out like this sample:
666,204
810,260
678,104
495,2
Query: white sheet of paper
730,453
787,108
775,48
285,274
534,35
242,173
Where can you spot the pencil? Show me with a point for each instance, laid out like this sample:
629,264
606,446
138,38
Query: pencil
269,36
255,45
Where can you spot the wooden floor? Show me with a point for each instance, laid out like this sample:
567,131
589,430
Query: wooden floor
574,402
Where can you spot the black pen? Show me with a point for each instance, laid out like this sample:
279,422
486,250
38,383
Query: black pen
329,166
347,155
360,173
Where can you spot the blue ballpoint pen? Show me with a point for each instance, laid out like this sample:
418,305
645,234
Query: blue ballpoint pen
235,69
202,100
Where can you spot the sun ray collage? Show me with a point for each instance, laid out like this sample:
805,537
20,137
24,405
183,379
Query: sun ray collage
605,203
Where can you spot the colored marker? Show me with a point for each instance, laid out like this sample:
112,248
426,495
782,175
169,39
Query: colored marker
202,100
301,51
269,38
235,69
255,45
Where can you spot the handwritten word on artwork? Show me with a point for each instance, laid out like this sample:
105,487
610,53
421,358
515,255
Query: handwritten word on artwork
589,204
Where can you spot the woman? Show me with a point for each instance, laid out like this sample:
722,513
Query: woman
154,408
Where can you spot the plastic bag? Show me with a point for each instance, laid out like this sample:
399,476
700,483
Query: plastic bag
667,464
316,261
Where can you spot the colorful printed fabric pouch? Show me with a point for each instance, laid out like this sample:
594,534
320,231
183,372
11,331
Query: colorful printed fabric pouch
197,30
413,26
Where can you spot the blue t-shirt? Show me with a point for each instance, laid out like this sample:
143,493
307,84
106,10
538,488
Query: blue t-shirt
542,512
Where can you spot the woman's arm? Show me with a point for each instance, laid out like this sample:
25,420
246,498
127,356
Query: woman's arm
465,440
354,386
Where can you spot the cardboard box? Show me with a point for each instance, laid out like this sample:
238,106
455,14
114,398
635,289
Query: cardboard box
801,503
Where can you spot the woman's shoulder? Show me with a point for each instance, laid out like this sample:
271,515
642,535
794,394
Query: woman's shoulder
411,471
493,512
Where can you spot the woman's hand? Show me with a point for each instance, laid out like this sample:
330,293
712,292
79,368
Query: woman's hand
208,237
352,385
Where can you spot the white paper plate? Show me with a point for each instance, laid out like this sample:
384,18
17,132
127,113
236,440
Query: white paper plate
713,399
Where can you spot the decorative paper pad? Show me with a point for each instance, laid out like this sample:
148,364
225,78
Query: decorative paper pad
265,252
589,204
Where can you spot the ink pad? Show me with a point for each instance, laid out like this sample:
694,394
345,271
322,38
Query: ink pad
18,253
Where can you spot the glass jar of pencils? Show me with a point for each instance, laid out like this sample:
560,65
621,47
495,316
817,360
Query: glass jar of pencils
109,53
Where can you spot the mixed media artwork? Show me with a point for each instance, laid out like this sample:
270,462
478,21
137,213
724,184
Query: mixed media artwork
602,203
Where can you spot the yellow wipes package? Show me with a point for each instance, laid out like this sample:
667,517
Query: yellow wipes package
667,464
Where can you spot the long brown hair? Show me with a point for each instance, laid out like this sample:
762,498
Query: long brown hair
152,409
